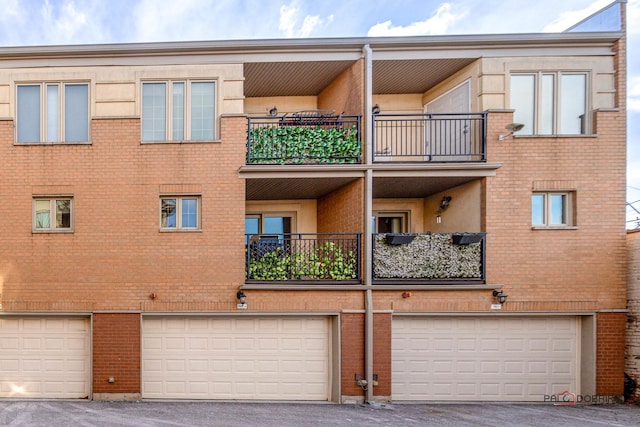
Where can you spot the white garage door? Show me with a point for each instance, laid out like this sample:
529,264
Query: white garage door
277,358
44,357
487,359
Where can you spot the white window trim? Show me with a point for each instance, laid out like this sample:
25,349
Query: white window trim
52,214
179,227
187,109
61,106
537,121
569,211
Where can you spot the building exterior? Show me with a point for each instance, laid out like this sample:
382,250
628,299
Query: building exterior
632,354
404,219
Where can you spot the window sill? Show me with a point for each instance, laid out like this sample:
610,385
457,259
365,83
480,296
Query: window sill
173,230
213,141
46,143
582,135
554,227
51,231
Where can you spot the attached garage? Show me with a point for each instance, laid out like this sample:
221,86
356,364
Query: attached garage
44,357
484,359
219,357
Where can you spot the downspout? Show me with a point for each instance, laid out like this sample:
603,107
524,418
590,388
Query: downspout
368,211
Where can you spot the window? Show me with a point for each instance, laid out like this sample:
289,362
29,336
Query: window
53,112
552,209
391,222
549,103
180,213
178,111
52,214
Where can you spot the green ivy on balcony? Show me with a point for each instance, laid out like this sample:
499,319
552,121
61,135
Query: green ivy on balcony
326,261
428,256
303,144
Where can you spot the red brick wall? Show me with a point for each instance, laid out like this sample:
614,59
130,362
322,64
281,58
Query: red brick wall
583,268
342,210
116,352
352,343
116,255
382,353
610,354
632,356
346,93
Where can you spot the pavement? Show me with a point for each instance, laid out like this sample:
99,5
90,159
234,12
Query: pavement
154,413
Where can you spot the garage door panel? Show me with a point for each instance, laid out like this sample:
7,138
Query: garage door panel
519,359
237,358
44,357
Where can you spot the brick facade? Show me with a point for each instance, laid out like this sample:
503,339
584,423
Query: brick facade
632,353
610,354
117,265
116,353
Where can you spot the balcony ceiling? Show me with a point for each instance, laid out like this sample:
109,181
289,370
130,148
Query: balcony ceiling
265,79
293,188
415,187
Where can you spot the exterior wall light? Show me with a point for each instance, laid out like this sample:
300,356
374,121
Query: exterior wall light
512,128
241,297
375,109
500,296
273,111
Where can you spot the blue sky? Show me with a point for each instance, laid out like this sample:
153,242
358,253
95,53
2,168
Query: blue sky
40,22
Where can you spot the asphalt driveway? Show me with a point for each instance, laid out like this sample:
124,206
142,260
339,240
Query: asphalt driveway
93,413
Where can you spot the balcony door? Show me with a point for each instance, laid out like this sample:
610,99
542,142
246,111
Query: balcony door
448,137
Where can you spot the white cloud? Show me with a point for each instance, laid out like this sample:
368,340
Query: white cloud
289,18
437,24
633,17
633,93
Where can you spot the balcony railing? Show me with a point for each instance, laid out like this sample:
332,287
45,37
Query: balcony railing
304,138
303,257
447,137
429,257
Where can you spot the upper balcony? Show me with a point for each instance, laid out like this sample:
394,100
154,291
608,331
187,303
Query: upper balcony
305,137
441,137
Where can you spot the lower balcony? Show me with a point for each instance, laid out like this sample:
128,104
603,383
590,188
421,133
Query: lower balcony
303,258
429,258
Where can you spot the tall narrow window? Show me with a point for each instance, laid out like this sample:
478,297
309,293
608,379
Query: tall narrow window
178,111
550,103
64,118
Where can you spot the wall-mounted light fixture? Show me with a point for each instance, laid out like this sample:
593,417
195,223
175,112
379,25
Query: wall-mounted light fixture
273,112
241,297
375,109
500,296
444,204
512,128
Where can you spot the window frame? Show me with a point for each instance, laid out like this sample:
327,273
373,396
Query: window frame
568,210
53,213
404,217
179,213
169,107
60,114
540,110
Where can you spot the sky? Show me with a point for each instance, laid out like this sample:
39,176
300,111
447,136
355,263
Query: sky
47,22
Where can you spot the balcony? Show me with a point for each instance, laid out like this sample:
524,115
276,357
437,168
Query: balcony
429,258
447,137
318,257
306,137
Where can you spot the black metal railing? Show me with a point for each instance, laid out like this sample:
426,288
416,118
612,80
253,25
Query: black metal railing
304,138
303,256
446,137
429,257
